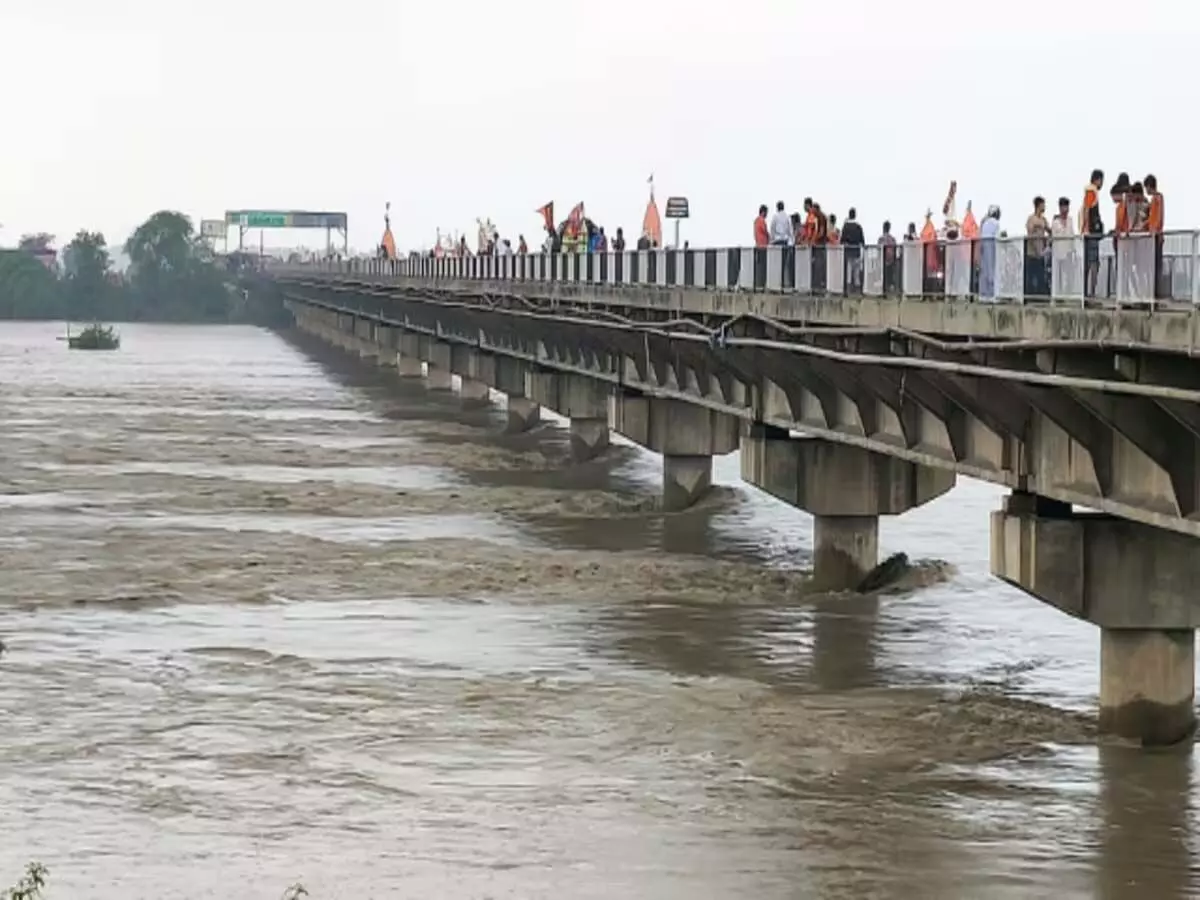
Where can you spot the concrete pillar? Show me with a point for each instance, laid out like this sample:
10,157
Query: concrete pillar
584,400
845,549
438,377
408,355
409,367
589,437
1137,582
845,488
1148,684
368,353
523,414
474,393
686,434
685,480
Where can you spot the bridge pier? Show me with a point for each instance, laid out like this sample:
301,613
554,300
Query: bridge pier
438,376
474,393
1136,582
385,341
688,437
523,414
509,379
845,548
583,400
477,370
408,355
845,488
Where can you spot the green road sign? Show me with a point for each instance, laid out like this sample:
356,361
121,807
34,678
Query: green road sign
265,220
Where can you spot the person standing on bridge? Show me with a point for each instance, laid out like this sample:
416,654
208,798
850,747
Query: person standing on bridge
853,239
988,233
762,236
1091,226
1154,225
782,237
1036,231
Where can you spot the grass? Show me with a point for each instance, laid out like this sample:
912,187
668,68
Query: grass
33,882
30,886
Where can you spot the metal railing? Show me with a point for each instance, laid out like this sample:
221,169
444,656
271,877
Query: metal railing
1136,269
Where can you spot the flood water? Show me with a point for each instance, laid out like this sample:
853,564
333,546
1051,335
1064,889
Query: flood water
271,617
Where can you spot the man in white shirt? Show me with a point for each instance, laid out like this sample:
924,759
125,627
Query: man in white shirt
781,227
1066,266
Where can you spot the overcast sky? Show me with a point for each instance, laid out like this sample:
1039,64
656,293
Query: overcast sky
465,108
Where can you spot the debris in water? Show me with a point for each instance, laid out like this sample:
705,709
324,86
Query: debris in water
885,574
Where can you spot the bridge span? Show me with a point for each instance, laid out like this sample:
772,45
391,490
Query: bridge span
848,407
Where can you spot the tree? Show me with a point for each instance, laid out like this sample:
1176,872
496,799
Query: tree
172,278
170,273
86,282
37,244
28,290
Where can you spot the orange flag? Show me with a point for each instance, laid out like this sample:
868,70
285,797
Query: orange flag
547,214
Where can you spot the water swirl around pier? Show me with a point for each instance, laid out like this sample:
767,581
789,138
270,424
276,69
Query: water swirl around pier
271,617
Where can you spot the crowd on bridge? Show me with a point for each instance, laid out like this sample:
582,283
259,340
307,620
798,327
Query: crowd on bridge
1138,210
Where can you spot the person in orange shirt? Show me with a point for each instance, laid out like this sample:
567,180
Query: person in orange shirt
1091,226
522,247
1154,224
808,234
762,237
835,233
1120,195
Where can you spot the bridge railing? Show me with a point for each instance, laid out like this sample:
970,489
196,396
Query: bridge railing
1139,269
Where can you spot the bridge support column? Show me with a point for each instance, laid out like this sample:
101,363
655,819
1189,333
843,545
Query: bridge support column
845,488
385,342
589,437
523,414
686,479
1137,582
438,378
477,369
408,355
687,435
584,400
474,393
845,548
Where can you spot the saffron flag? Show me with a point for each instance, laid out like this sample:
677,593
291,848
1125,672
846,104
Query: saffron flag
547,214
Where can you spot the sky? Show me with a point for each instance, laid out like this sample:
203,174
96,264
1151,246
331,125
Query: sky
453,111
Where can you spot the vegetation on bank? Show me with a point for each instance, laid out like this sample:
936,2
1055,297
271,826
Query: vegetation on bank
172,277
33,882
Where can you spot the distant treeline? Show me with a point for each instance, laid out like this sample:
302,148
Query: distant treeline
172,277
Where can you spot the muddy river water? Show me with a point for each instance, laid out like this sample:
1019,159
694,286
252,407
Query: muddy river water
270,618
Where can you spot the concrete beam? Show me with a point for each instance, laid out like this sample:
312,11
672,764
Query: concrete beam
1108,571
576,396
832,479
673,427
469,362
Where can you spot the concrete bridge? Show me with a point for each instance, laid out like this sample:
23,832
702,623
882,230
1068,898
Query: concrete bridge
848,407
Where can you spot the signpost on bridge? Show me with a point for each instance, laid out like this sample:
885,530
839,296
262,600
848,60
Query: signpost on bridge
677,208
262,219
213,230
